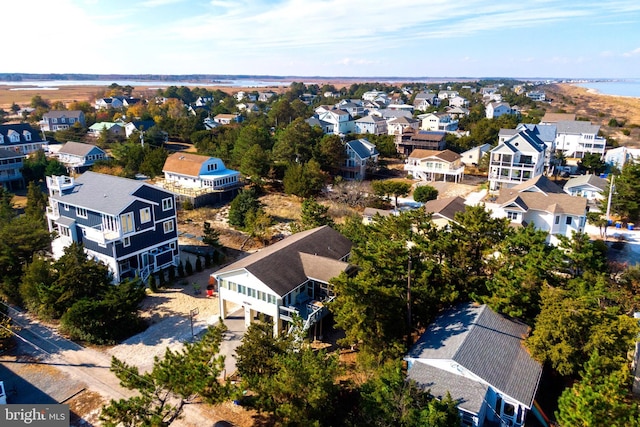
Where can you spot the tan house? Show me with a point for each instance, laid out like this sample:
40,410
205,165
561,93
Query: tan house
443,211
430,165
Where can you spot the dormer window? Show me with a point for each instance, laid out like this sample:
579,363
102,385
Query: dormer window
27,135
54,120
1,139
13,136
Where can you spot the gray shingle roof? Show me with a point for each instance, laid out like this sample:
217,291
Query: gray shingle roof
9,154
592,180
285,265
77,148
468,394
101,193
485,343
576,127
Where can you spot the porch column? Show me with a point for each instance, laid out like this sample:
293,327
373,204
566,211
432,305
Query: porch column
247,316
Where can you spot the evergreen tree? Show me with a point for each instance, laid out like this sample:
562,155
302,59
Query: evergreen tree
180,269
424,193
198,264
179,378
188,268
210,235
314,214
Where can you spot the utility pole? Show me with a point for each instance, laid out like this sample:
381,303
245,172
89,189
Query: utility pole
611,190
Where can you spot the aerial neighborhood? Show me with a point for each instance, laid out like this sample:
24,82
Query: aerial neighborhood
440,254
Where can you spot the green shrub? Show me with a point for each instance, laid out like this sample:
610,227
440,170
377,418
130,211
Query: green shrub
188,268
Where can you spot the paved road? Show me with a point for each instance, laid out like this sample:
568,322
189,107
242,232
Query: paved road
66,368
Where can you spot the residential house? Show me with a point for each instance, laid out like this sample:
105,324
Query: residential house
327,128
227,119
340,119
576,138
107,103
59,119
138,126
400,125
77,157
547,134
249,107
426,140
188,170
287,279
401,107
477,356
265,96
127,224
20,138
114,130
210,124
11,164
373,95
369,215
518,159
371,124
308,98
472,156
353,107
425,100
591,187
457,112
619,156
494,110
458,101
542,203
443,211
439,122
429,165
389,115
242,95
204,101
536,95
360,155
447,94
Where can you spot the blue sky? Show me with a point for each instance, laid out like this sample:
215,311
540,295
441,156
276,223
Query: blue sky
351,38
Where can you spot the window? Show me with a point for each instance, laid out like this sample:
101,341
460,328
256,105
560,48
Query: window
568,220
242,289
167,226
126,220
64,231
126,242
271,299
513,216
557,219
81,212
167,204
65,206
145,215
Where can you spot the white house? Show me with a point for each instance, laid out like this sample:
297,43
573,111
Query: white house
227,119
429,165
619,156
518,159
478,356
360,154
187,170
591,187
289,278
441,121
400,125
496,109
542,203
576,138
371,124
327,128
447,94
340,119
78,157
536,95
458,101
372,95
473,155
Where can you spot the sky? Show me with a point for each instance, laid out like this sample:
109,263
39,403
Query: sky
330,38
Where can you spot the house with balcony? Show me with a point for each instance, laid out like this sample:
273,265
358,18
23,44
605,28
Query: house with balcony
478,357
412,139
11,164
425,100
458,101
439,122
430,165
20,138
361,154
188,170
371,124
400,125
340,119
77,157
287,279
128,225
517,159
56,120
542,203
576,138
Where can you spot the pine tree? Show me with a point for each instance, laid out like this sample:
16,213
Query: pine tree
188,268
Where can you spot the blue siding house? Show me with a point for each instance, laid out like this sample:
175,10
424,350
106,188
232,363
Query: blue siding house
127,224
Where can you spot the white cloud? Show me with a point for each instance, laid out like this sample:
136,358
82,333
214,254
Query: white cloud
634,52
156,3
